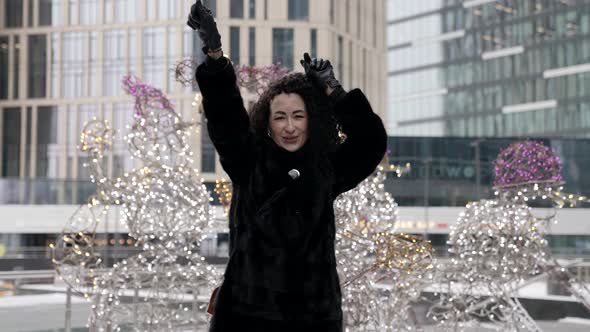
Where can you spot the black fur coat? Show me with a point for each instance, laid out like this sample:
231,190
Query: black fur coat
282,263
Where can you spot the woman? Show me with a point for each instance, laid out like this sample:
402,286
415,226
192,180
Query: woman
287,165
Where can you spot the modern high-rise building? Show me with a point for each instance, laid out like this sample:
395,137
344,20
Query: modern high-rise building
491,68
62,61
466,78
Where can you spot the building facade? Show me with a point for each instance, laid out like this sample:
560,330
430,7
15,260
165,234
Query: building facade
62,61
489,68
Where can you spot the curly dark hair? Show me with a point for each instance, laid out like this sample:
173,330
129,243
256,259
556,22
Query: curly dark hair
322,124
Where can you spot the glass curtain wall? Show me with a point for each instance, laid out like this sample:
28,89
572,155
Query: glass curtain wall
515,69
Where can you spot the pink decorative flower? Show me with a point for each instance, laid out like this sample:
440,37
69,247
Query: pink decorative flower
146,96
526,162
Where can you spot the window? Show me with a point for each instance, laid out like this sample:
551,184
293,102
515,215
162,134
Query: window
174,52
73,8
152,13
37,66
108,11
4,65
313,43
282,47
125,11
11,140
234,41
331,11
236,9
374,23
207,152
365,73
358,18
121,158
154,64
252,8
167,9
266,9
93,65
133,36
73,63
28,141
347,15
192,49
16,57
50,12
13,13
29,4
252,46
85,114
114,62
350,62
212,5
88,11
340,59
47,153
298,10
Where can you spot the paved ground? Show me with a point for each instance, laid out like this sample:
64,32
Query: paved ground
43,318
545,326
46,316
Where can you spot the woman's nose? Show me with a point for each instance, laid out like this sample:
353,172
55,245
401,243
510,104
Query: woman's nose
290,126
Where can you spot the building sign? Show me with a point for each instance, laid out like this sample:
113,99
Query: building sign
445,170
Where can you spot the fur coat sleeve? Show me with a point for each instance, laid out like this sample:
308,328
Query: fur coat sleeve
227,120
365,144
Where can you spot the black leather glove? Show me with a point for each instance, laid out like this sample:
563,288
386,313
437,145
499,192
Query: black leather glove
201,19
321,73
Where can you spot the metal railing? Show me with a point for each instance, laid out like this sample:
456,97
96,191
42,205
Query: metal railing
566,253
118,252
40,191
45,252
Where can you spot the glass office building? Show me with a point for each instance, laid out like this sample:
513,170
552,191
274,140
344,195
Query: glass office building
491,68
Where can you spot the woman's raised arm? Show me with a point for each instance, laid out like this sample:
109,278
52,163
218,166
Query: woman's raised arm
366,138
227,120
365,145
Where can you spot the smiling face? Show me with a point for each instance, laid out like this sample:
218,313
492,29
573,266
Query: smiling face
288,121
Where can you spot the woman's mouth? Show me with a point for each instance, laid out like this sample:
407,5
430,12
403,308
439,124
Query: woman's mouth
290,139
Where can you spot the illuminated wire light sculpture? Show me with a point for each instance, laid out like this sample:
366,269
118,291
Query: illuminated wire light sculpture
382,272
540,179
224,190
76,255
529,170
499,245
166,210
494,246
258,78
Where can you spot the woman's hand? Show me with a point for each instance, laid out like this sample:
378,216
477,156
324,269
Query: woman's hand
201,19
321,73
